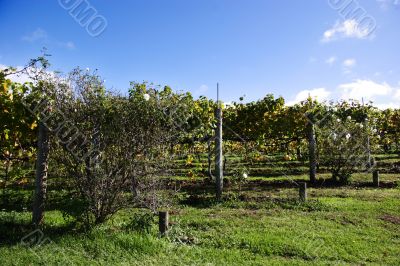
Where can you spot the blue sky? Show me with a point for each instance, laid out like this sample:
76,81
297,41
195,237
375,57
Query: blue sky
286,47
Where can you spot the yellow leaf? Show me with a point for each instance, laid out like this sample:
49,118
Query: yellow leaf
34,125
5,87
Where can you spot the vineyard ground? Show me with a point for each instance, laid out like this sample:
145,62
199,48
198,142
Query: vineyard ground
264,224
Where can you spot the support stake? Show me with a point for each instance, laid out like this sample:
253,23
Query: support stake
375,178
303,192
163,220
219,158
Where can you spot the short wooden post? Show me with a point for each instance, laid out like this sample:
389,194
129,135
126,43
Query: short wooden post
163,220
375,178
303,191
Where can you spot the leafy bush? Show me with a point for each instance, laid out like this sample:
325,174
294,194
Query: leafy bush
345,146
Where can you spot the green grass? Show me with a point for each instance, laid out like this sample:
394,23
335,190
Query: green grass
344,225
264,224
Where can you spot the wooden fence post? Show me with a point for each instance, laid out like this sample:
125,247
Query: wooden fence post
375,178
42,165
303,191
312,156
163,220
219,169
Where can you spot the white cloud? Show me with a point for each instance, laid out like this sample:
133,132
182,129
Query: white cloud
321,94
386,4
384,106
312,59
69,45
202,89
348,64
38,34
331,60
397,95
20,78
24,76
383,95
377,74
347,29
41,35
364,89
351,62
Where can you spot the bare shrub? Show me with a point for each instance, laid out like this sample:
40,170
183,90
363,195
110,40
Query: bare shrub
113,145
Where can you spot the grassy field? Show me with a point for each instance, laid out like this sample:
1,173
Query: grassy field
264,224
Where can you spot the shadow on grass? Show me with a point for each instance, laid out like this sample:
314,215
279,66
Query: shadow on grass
201,194
206,186
17,199
233,200
15,229
15,216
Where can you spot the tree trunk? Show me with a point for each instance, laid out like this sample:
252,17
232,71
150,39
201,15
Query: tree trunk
312,151
219,176
41,174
